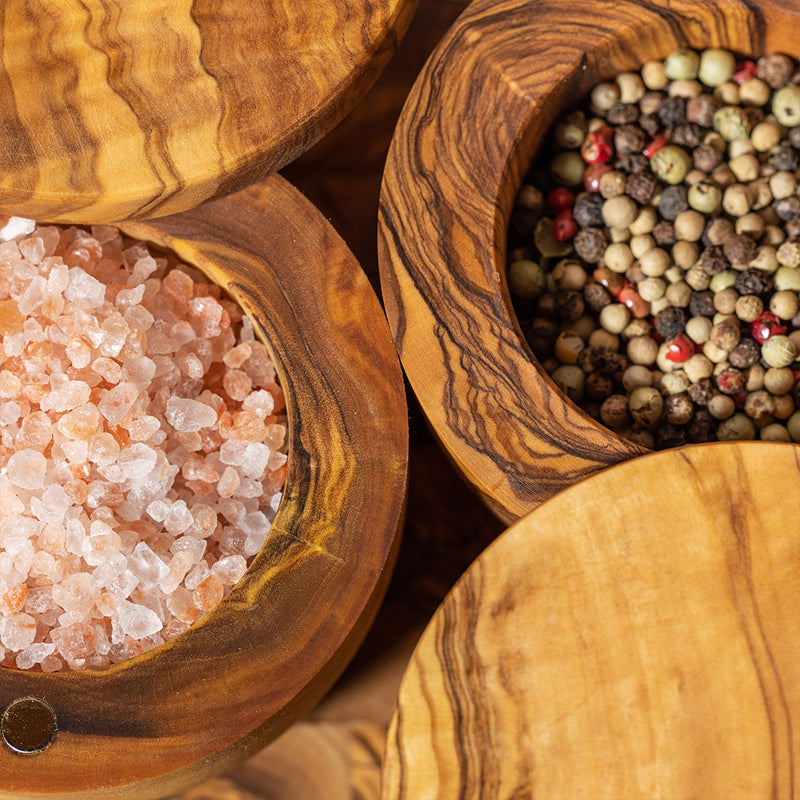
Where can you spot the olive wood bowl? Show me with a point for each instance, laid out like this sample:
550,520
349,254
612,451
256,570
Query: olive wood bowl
466,137
636,636
112,111
152,725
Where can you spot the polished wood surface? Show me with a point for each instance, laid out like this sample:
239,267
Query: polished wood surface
267,653
111,110
465,139
637,636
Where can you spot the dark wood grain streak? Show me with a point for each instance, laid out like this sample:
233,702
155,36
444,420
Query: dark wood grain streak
127,110
467,135
274,646
620,643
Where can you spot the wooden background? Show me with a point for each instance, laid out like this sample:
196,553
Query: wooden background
336,752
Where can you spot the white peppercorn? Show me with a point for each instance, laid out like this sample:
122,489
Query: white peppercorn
603,338
782,184
784,406
642,350
641,243
698,367
631,87
645,405
793,426
759,406
674,382
618,257
739,427
615,317
619,212
731,122
787,279
653,75
655,262
754,92
748,307
786,106
778,380
571,380
745,167
682,64
751,225
755,378
526,278
721,406
698,329
784,304
737,200
775,432
716,66
765,136
636,375
605,95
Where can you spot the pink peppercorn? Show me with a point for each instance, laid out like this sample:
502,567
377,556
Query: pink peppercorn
558,200
680,349
745,71
597,147
765,325
654,146
612,281
629,297
564,226
592,176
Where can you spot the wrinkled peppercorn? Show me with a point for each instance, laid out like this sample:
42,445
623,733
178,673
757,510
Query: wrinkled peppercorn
641,186
701,427
669,435
633,163
598,385
629,139
751,281
622,113
664,233
706,158
670,321
650,124
689,134
596,296
787,208
589,244
739,250
673,201
702,304
745,354
672,111
712,261
700,110
588,210
784,158
569,304
701,391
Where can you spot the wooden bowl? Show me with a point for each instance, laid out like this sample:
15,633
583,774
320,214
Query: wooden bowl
111,111
636,636
465,140
149,726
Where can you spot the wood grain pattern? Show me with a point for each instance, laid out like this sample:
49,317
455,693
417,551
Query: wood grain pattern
465,139
637,636
113,110
271,649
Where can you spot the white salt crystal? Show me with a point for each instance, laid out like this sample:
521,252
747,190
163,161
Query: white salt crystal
10,412
259,402
53,505
75,536
84,288
123,585
255,459
178,518
195,547
137,461
129,297
110,569
197,576
17,226
230,569
189,415
26,469
147,566
140,370
33,296
180,564
158,510
138,621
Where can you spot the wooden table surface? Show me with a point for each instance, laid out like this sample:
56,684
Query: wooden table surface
336,752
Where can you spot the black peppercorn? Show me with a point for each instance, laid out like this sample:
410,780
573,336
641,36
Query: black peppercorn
641,186
784,157
596,296
601,359
706,157
753,281
588,210
622,113
569,304
701,304
689,134
598,385
670,321
633,163
629,139
739,250
673,202
745,354
678,408
788,208
700,109
701,391
701,427
669,435
794,136
650,124
775,70
672,111
590,244
713,261
614,411
664,233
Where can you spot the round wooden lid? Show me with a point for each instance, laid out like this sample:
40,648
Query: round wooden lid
637,636
110,111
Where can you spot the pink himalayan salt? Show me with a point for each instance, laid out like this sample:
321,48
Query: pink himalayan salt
143,452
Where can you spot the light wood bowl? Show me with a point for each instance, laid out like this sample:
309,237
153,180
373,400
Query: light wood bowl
112,111
152,725
636,636
467,135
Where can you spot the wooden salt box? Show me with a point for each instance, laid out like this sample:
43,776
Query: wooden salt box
127,112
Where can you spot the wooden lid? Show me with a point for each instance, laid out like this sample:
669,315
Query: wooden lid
637,636
110,111
464,141
261,659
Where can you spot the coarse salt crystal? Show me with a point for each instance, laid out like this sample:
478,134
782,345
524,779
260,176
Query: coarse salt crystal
26,469
189,415
137,621
84,288
17,226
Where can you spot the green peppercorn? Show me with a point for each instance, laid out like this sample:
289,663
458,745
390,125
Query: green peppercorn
526,278
787,279
716,66
739,427
775,432
671,163
722,281
705,197
682,64
793,426
731,122
786,105
568,167
571,132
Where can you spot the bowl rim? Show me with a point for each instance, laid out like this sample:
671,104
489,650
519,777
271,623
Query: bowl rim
274,645
464,141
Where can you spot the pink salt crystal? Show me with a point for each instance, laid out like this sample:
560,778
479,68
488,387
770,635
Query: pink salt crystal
178,518
137,621
230,569
208,593
10,384
14,599
66,395
108,369
115,404
26,469
82,423
17,631
137,461
189,544
78,352
10,504
182,332
206,316
181,604
9,413
35,432
83,288
103,449
228,482
179,565
107,604
140,370
33,296
197,575
115,331
75,641
76,595
189,415
53,504
129,297
236,356
259,402
32,249
143,428
34,654
237,384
